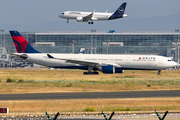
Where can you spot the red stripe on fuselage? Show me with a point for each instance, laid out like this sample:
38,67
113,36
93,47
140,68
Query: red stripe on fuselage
22,42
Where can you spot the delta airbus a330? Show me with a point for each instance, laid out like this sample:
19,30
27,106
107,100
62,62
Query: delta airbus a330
94,16
106,63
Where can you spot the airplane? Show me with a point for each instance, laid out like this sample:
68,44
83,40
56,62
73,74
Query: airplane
94,16
106,63
81,51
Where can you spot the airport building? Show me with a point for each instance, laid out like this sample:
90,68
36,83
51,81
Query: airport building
166,44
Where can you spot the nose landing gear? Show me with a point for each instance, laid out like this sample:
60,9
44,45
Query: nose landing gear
159,72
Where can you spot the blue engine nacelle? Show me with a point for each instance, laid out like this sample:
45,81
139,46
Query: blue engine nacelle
110,69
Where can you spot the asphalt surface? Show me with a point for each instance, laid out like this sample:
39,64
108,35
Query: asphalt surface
88,95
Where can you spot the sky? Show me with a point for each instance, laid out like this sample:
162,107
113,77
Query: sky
43,15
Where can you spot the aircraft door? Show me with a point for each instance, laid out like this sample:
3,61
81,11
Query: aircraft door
128,60
40,59
160,62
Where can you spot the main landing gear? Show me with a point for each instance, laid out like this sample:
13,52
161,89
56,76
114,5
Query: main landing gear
90,22
159,72
91,73
67,20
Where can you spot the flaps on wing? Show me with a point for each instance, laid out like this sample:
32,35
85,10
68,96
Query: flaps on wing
86,63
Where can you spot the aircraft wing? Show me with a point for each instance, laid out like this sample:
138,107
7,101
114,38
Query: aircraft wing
86,63
88,17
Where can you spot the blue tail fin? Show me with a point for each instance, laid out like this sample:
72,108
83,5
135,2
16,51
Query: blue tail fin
22,46
119,12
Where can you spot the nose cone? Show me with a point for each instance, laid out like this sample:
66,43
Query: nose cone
175,64
61,15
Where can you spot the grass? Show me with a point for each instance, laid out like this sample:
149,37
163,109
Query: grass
92,105
47,81
45,74
89,109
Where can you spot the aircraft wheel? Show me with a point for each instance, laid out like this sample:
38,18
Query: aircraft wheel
92,22
159,72
96,73
91,73
89,22
85,73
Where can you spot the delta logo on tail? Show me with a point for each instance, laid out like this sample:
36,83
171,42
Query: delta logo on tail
22,46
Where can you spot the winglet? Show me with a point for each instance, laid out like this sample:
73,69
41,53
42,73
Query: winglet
82,50
49,56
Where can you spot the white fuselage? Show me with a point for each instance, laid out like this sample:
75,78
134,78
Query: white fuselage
131,62
96,15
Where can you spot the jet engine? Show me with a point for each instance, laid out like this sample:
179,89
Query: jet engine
109,69
79,19
117,70
94,19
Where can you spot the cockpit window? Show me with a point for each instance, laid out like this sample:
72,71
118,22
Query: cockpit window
169,60
63,13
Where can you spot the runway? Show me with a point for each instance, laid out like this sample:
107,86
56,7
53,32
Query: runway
90,95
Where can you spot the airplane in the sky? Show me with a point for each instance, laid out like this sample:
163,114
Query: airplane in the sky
94,16
106,63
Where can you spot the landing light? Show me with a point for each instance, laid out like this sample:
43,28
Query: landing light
125,15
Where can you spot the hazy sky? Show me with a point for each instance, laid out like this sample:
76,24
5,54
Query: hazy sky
42,15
